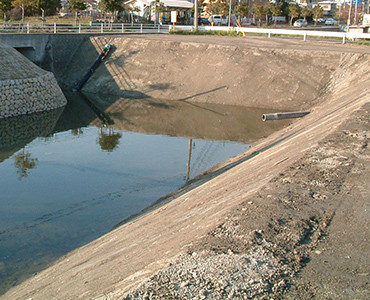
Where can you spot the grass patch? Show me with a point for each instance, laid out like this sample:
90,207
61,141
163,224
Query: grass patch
51,19
361,43
207,32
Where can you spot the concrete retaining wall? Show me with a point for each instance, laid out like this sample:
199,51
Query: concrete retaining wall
24,87
52,52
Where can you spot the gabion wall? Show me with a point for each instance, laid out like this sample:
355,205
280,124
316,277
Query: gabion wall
25,96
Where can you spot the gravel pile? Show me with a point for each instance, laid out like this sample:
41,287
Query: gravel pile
208,275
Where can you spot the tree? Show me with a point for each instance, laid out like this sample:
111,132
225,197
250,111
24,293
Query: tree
317,13
109,141
45,5
241,9
23,163
159,8
132,9
112,6
293,12
259,11
338,13
266,12
77,6
219,8
22,4
5,6
306,12
276,11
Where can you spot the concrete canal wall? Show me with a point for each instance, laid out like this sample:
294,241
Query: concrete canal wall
24,87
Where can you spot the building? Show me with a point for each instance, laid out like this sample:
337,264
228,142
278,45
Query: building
328,7
163,15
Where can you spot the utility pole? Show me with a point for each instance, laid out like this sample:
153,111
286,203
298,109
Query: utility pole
195,15
189,158
340,13
229,13
349,15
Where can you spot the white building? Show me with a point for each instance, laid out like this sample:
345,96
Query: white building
328,7
147,8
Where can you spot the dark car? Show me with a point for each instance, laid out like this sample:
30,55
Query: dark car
204,21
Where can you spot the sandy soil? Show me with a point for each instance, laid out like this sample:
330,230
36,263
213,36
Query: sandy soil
236,73
292,210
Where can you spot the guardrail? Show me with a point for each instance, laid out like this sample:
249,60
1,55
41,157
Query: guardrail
27,28
289,32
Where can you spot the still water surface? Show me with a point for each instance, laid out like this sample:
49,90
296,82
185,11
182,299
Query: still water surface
65,178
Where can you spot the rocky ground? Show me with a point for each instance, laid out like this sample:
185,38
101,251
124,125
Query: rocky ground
308,240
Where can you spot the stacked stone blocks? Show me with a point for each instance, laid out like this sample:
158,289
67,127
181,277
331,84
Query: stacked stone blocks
24,96
24,87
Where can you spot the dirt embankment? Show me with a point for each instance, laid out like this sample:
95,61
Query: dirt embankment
205,72
264,225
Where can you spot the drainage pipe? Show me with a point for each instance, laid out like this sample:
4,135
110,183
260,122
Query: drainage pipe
284,115
101,57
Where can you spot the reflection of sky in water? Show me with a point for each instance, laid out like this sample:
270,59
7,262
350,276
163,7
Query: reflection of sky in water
77,191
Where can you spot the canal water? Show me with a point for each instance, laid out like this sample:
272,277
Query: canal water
70,175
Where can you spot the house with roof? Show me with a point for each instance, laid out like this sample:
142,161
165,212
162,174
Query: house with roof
327,6
147,10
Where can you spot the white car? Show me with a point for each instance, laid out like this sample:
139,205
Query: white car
331,21
300,23
320,20
218,20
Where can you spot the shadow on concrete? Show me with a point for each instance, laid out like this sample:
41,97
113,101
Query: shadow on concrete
203,93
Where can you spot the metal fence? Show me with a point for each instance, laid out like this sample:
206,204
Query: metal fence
305,34
29,28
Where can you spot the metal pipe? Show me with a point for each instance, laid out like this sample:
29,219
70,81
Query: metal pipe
284,115
101,57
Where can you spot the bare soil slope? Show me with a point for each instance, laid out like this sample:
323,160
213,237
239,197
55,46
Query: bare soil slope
262,225
236,73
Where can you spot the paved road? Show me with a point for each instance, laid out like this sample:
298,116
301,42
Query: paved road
251,41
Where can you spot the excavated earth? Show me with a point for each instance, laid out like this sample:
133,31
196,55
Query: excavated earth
287,219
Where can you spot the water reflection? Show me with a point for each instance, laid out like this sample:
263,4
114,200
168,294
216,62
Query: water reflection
18,131
108,139
23,163
186,119
66,177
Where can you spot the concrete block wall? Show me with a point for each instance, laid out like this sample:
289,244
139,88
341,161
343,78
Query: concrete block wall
24,96
24,87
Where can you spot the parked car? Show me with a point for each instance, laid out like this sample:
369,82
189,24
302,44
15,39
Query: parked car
204,21
331,21
320,20
300,23
218,20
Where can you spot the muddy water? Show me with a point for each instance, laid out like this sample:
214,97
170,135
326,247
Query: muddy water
68,176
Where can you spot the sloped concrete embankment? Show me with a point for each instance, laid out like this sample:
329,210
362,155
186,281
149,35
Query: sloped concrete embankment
199,72
124,258
24,87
